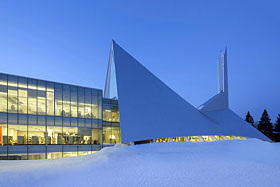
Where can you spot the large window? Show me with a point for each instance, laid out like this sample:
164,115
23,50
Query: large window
111,115
74,104
96,136
66,100
85,135
111,135
22,100
54,135
88,112
12,94
41,96
3,93
58,99
81,103
96,104
32,96
50,98
70,135
3,130
17,134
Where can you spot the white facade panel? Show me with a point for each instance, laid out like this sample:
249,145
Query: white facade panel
149,109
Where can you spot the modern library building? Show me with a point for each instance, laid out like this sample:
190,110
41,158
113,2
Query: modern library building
43,119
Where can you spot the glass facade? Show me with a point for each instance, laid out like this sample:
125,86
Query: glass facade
42,119
111,122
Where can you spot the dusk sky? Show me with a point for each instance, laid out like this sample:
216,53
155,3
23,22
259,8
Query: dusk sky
179,41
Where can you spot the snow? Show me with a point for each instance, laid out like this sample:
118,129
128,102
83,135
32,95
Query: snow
223,163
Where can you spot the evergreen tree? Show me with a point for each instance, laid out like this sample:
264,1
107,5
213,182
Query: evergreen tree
277,124
265,126
249,118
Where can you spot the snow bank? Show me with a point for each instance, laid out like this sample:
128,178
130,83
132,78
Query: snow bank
223,163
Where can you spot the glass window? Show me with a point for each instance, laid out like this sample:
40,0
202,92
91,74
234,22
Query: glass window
54,151
115,115
88,123
50,103
3,117
96,123
70,135
17,152
12,99
22,82
12,80
107,135
41,120
32,119
22,119
54,135
74,105
111,135
41,85
50,121
85,135
81,103
12,118
50,98
69,151
50,86
22,100
36,152
32,101
58,99
66,100
96,136
81,122
74,122
32,84
116,135
41,96
94,104
17,134
88,111
3,93
3,79
36,134
66,122
3,134
195,138
58,121
107,115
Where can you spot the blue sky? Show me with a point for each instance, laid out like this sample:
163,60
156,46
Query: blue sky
179,41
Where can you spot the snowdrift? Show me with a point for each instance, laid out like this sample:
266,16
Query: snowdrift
222,163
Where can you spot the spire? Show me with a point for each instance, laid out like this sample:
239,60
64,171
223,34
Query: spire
110,90
220,73
225,73
219,101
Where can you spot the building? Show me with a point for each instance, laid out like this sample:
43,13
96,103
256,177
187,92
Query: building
43,119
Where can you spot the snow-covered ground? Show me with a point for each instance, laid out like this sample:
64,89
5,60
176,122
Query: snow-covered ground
224,163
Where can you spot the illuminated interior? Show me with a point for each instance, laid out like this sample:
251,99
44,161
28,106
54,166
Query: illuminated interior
111,122
199,139
34,112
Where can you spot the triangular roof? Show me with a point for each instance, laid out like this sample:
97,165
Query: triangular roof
149,109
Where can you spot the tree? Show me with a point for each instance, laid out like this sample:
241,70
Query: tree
249,118
265,126
277,124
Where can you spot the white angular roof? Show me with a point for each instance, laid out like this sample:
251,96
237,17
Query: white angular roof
149,109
